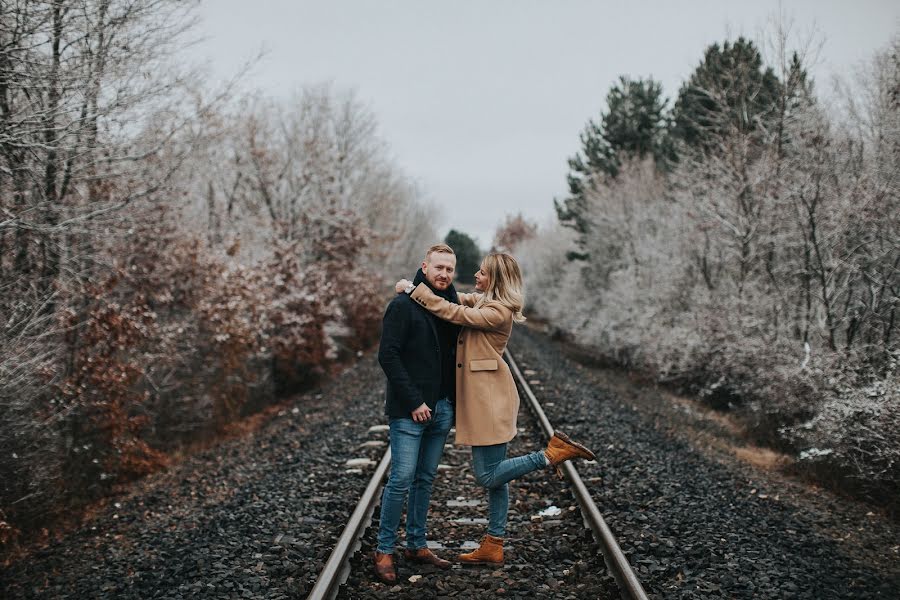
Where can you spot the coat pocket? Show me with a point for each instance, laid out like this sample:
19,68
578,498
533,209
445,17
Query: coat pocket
488,364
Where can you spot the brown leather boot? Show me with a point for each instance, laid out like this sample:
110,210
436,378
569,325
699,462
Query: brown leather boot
427,557
560,449
384,567
490,552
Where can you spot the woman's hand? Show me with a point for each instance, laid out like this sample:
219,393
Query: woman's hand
401,285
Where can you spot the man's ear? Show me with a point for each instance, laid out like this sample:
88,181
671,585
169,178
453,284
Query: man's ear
424,265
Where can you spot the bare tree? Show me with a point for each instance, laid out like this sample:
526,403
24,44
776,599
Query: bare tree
515,230
278,170
86,110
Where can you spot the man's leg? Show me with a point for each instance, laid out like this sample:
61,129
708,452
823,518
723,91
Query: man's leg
406,437
430,451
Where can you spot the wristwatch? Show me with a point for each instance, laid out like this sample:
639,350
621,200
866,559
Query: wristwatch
409,289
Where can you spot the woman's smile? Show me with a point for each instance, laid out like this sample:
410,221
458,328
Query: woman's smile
481,280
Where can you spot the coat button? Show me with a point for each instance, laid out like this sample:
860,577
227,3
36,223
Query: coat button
459,365
460,342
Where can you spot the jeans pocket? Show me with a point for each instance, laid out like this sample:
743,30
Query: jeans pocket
443,414
406,425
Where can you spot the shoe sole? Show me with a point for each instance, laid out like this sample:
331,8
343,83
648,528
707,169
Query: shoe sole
430,564
427,562
383,580
568,440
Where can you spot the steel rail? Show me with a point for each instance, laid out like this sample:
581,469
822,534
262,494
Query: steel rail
337,567
615,559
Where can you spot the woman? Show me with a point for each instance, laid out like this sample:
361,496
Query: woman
487,401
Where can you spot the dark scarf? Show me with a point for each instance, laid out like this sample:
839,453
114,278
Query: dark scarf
447,334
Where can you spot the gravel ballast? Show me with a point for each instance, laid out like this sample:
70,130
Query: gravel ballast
694,525
256,517
545,555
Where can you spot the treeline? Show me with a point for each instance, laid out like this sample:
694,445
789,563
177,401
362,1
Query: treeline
172,255
743,243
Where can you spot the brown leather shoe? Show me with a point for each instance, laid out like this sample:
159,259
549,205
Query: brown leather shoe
561,448
384,567
490,552
427,557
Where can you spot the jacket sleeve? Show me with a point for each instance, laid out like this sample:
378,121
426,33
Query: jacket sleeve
468,299
395,328
488,317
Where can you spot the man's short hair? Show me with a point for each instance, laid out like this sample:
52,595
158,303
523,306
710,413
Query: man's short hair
439,248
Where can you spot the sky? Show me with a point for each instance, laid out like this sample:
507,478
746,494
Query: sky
481,102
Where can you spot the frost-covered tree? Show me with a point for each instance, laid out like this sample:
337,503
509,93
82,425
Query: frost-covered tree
762,270
634,125
168,258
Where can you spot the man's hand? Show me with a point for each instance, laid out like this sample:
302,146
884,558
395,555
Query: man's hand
401,285
421,414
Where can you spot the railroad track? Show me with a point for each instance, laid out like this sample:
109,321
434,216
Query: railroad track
338,566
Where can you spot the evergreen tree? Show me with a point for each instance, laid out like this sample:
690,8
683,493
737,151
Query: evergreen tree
796,96
634,125
468,256
729,91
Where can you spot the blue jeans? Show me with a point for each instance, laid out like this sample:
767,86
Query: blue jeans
416,449
494,471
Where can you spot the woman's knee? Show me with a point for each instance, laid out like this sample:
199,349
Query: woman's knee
485,479
485,460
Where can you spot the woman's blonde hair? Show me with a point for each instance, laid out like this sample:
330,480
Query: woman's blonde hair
504,283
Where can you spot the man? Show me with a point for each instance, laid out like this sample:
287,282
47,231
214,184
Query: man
417,354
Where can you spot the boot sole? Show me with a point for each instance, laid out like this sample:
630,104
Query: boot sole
429,564
568,440
383,579
481,563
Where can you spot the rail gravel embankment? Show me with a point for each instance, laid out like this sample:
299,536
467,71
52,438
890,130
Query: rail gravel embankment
694,523
548,552
250,518
256,517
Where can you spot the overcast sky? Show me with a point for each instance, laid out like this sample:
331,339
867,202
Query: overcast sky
482,101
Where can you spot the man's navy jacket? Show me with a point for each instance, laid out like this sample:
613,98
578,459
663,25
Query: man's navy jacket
410,355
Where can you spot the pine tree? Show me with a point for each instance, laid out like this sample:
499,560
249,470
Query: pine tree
635,125
729,91
468,256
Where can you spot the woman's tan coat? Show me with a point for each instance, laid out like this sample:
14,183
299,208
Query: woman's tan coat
487,401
